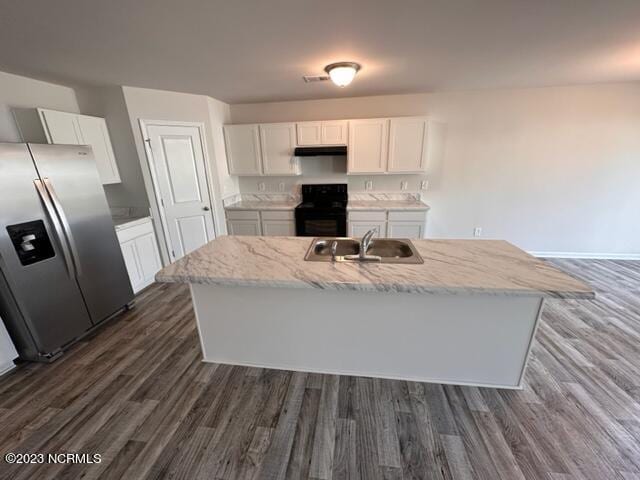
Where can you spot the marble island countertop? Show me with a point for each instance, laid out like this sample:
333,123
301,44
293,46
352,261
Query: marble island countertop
463,267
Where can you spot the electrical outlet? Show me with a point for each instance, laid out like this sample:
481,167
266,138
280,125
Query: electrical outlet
477,232
424,184
281,187
404,185
368,185
261,186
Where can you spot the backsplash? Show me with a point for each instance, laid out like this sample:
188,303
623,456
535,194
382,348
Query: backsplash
283,197
395,196
129,212
260,197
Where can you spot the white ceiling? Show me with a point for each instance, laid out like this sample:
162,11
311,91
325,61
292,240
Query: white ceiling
257,50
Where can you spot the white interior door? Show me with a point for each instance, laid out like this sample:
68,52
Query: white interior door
179,166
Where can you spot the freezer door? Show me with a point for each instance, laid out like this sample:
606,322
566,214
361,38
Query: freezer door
71,178
37,274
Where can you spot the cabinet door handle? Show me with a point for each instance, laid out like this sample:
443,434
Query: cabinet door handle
205,208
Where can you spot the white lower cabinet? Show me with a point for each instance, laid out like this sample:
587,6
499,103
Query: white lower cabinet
405,230
267,222
391,224
358,229
278,223
244,227
388,224
360,222
243,222
140,252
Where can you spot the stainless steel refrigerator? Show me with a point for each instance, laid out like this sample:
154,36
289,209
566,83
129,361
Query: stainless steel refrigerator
62,271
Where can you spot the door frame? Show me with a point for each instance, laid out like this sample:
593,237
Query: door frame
151,164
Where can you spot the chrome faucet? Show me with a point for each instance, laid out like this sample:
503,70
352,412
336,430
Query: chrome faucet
365,242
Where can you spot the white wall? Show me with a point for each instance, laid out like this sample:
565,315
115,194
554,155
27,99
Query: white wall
549,169
109,102
219,114
148,104
23,92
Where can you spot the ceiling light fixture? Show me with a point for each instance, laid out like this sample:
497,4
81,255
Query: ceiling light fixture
342,73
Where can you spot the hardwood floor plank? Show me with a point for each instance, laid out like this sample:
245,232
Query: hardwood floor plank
303,442
457,457
368,461
325,432
385,416
274,465
345,465
427,430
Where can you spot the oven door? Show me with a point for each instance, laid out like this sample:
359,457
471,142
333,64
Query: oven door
313,224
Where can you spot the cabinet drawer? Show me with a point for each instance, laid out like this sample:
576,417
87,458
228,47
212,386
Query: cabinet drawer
278,215
404,216
368,216
243,215
126,234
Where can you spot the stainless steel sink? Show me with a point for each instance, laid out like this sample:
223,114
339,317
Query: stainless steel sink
381,250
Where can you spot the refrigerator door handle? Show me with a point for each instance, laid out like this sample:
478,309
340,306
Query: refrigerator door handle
57,227
65,224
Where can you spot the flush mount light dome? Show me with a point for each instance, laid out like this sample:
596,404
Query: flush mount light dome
342,73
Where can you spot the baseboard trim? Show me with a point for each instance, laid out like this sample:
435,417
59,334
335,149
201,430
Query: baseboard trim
593,256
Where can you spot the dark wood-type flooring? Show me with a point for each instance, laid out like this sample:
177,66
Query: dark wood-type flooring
138,394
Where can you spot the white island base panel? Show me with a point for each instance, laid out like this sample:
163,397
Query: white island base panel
480,340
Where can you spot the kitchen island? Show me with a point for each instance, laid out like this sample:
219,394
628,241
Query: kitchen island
467,315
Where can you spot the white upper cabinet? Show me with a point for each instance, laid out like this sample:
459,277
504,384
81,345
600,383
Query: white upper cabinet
64,128
407,145
94,132
332,132
335,132
368,145
399,145
278,140
309,133
243,149
61,127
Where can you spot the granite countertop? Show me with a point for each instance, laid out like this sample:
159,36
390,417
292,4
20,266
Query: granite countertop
387,205
352,205
125,222
463,267
263,205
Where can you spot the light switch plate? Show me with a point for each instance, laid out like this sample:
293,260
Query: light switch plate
404,185
261,186
424,184
477,232
368,185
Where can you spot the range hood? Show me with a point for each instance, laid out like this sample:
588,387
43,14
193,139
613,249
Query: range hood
319,151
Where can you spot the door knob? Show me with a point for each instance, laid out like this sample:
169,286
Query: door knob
205,208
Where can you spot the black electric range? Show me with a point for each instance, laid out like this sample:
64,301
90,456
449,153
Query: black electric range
323,211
